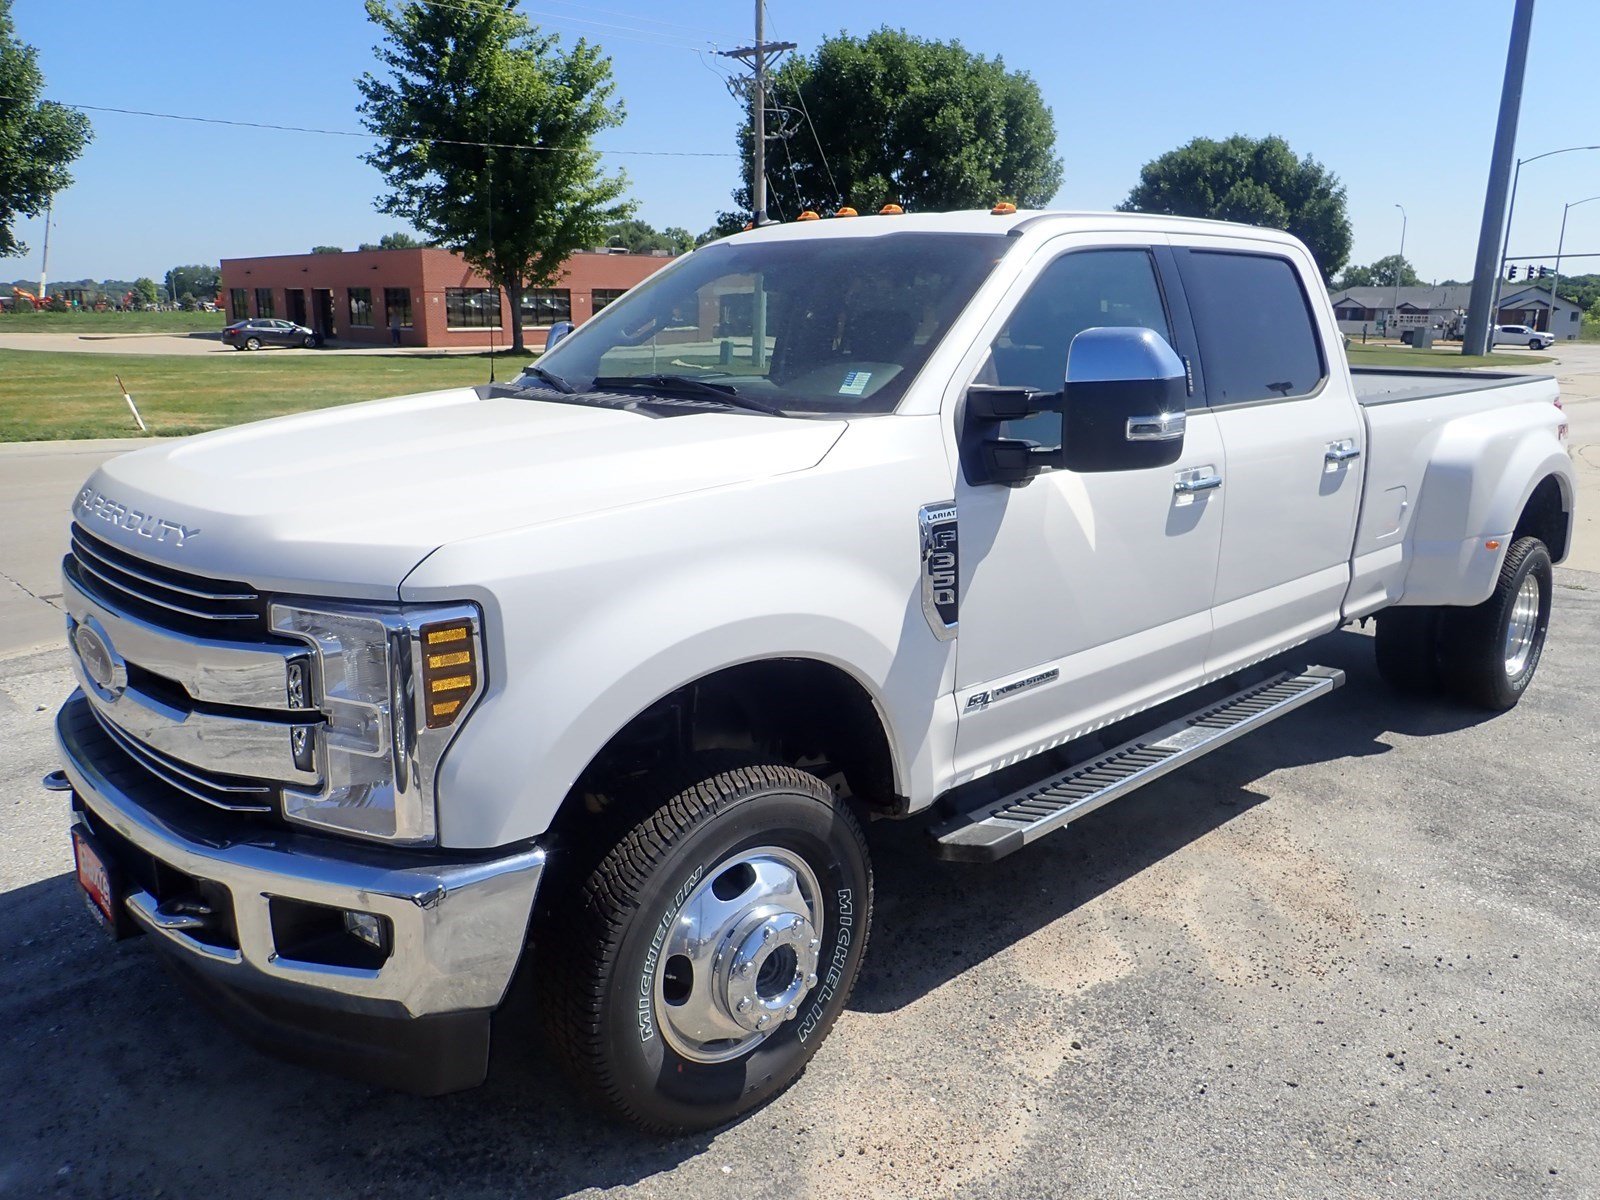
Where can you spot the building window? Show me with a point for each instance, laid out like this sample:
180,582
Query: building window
264,303
546,306
397,307
604,296
472,308
361,306
238,303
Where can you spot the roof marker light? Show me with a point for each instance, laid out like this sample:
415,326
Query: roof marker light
808,215
1003,209
847,211
891,210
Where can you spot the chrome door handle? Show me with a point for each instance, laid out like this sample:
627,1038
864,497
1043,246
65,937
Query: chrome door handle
1200,483
1342,452
1162,427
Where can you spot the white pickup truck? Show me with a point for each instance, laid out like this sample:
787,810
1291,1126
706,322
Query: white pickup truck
596,676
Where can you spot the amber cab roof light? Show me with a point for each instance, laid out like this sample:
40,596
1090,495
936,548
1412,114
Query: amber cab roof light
1003,209
891,210
808,215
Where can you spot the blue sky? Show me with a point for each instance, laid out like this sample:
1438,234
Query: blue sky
1399,100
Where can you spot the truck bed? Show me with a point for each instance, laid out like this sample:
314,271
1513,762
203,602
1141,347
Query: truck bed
1395,385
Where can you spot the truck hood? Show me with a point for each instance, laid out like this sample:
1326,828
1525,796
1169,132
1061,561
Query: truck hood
347,500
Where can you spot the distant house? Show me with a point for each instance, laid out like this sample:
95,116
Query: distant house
1391,311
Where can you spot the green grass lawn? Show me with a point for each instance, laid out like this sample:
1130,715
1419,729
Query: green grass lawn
1405,356
46,395
112,322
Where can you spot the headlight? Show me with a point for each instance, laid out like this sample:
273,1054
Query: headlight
393,684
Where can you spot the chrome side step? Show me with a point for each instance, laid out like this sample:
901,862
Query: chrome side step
994,830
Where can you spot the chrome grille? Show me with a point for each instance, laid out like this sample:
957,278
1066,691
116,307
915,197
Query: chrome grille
158,593
220,791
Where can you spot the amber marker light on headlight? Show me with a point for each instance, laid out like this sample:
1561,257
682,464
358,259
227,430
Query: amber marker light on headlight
449,670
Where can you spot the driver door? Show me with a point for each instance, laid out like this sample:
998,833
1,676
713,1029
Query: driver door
1083,596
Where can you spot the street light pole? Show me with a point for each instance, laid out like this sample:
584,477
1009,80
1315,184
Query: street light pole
1494,198
1560,242
1398,265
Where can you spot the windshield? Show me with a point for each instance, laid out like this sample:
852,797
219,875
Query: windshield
829,325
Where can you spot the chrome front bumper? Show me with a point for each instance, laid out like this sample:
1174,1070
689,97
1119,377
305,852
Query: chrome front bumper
457,927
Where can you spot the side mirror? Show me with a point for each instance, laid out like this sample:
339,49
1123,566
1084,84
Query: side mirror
1124,400
557,331
1122,409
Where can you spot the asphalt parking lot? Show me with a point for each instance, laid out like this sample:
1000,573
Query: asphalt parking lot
1356,955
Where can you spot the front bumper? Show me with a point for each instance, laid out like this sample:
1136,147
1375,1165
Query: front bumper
419,1019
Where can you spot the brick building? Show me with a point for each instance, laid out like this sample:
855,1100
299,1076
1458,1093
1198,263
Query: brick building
432,296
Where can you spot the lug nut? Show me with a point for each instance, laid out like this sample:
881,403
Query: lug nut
744,970
763,1021
788,1013
814,944
811,980
745,1004
766,934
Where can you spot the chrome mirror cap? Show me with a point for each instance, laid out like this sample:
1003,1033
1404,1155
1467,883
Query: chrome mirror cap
1118,354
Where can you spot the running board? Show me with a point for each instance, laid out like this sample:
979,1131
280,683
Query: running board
994,830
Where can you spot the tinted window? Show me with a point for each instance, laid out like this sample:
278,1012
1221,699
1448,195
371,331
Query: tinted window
808,324
1257,340
1078,291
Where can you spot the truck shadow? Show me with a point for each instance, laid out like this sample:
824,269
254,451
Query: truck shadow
119,1085
934,920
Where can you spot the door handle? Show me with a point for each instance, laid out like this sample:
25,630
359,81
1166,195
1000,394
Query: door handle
1161,427
1340,452
1199,483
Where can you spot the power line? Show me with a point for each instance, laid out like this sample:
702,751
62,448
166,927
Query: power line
612,12
627,32
352,133
816,137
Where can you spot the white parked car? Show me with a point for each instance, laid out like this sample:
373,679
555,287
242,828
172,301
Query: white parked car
1522,335
597,676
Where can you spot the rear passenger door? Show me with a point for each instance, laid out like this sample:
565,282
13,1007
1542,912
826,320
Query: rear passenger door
1292,435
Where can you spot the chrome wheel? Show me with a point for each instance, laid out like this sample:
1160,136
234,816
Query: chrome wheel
1522,630
740,956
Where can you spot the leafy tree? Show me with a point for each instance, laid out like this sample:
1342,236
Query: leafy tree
145,291
640,237
483,73
197,279
393,241
38,139
327,249
925,124
1390,271
1258,181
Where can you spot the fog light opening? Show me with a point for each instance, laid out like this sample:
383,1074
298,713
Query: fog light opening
369,928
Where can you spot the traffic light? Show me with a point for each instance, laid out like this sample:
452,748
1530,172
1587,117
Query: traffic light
1543,271
1512,273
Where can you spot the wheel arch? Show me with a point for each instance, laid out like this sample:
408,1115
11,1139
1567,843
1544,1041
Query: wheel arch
805,711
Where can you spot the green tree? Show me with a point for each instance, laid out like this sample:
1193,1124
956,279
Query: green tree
38,139
518,207
1258,181
327,249
197,279
927,125
145,290
640,237
1390,271
393,241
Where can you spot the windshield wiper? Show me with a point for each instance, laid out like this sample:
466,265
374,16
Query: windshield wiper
686,385
561,385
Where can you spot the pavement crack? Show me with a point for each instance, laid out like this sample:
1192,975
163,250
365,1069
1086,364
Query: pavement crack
22,587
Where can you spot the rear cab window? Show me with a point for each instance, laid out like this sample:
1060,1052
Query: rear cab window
1254,324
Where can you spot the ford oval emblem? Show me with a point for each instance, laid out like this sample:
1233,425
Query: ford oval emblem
101,663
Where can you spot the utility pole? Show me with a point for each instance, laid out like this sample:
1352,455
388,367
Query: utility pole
44,265
758,56
1486,272
1401,263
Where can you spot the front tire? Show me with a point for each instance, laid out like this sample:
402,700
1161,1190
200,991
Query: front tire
711,948
1535,344
1489,653
252,344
